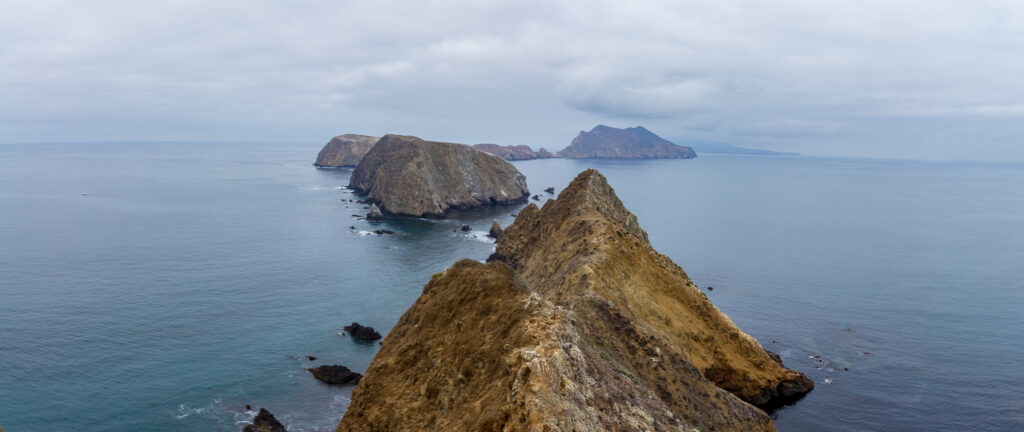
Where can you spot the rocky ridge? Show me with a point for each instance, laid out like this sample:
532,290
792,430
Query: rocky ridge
629,143
514,152
408,176
345,150
575,323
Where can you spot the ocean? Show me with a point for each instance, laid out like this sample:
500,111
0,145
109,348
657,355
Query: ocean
165,286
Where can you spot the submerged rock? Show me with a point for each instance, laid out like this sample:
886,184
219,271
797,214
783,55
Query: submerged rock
514,152
408,176
629,143
495,230
467,228
345,150
550,190
575,323
374,213
336,375
362,332
264,422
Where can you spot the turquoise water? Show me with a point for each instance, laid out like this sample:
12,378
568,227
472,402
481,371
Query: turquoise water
193,278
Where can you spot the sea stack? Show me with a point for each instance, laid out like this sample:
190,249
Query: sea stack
344,151
629,143
495,230
408,176
575,323
514,152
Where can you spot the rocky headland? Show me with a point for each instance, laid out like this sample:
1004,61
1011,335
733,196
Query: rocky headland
575,323
408,176
629,143
345,150
514,152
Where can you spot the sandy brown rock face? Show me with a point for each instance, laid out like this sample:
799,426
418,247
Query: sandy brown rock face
516,152
345,150
576,323
408,176
629,143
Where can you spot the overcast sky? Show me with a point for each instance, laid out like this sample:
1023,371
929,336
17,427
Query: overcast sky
911,79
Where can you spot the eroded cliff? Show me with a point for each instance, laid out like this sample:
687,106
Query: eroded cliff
576,324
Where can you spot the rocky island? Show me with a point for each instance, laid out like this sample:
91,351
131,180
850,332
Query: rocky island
344,151
515,152
408,176
629,143
574,323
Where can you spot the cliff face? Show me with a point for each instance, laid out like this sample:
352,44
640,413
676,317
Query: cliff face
629,143
575,323
408,176
345,150
516,152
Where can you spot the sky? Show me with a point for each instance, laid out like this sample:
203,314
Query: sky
896,79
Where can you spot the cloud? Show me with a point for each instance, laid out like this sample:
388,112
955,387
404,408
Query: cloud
809,73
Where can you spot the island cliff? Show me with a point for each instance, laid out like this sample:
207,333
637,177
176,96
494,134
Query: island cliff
513,153
629,143
408,176
344,150
576,324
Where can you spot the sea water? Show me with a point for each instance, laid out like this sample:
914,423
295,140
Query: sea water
165,286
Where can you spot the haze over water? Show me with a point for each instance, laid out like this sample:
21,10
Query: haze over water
193,278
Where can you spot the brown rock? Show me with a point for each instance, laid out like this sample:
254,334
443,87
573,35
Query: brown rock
515,152
345,150
408,176
264,422
629,143
575,323
495,230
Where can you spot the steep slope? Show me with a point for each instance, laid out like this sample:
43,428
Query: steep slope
629,143
515,152
345,150
575,323
408,176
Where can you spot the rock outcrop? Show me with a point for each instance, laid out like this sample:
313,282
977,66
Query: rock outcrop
345,150
514,152
495,230
575,323
374,213
359,331
629,143
408,176
264,422
335,374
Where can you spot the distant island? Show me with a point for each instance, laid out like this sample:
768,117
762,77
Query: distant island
714,147
344,151
514,152
629,143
